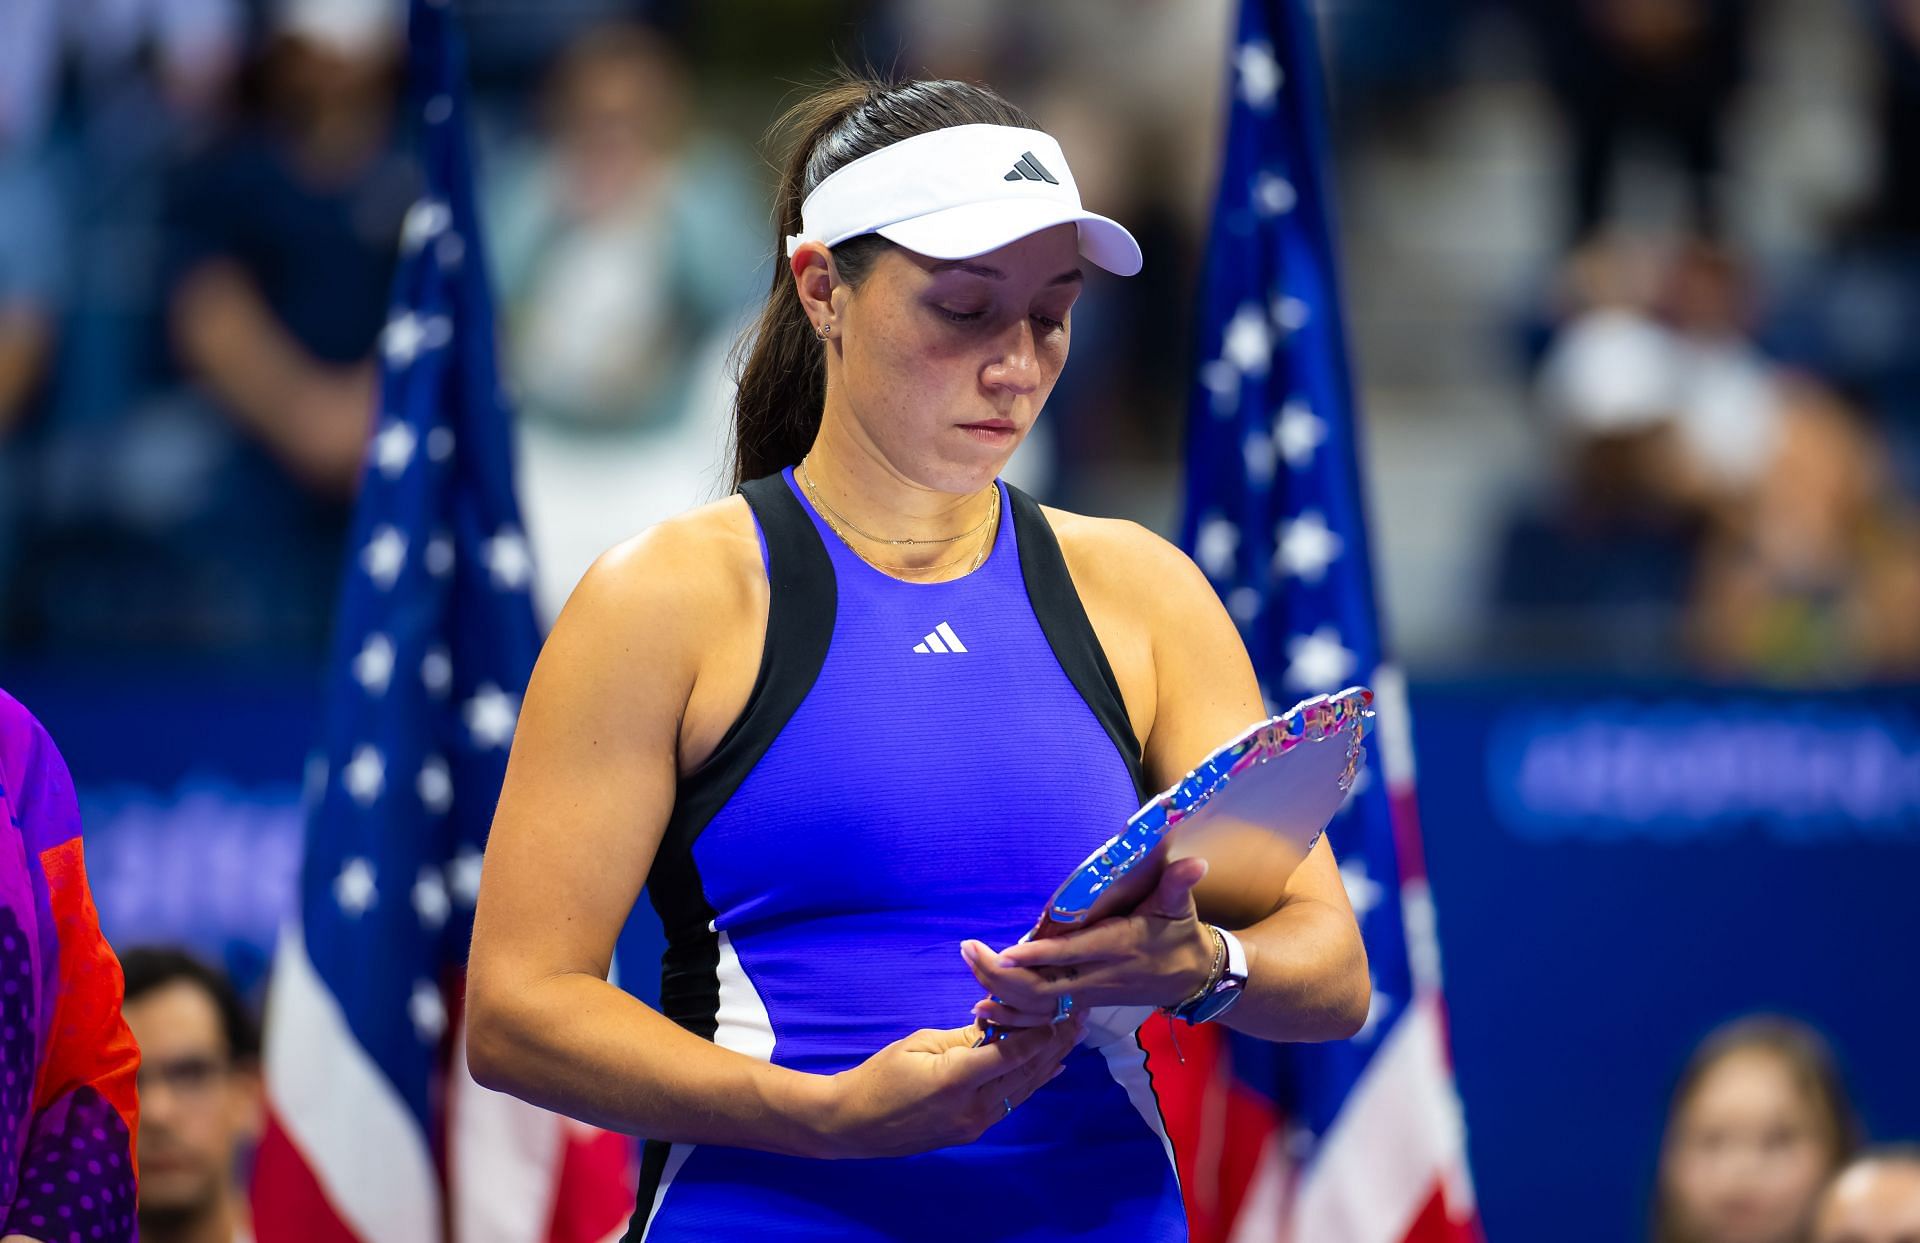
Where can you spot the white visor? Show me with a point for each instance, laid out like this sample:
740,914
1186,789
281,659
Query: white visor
959,192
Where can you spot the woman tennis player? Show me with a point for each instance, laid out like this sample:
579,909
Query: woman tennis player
854,723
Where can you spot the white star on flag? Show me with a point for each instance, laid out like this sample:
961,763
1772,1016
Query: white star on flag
384,556
1257,453
407,334
434,785
1260,74
426,219
430,901
393,448
508,559
439,555
354,889
436,669
373,667
490,716
1248,341
463,876
1290,314
1317,661
1307,546
1298,432
365,775
1363,892
1274,195
1222,380
440,443
1215,545
427,1010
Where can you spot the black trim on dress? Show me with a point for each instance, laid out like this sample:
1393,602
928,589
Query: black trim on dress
1063,619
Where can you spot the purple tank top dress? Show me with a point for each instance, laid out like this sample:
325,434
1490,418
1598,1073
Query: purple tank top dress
917,764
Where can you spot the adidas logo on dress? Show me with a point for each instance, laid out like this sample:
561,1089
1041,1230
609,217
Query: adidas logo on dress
1026,168
940,639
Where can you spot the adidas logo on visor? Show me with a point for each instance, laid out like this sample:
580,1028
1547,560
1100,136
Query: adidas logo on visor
1026,168
941,639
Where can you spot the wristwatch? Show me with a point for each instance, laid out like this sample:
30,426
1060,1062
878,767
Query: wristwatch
1221,991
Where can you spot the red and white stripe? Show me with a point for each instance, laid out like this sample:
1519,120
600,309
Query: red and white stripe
343,1160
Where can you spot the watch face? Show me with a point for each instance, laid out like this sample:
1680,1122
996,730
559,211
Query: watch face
1215,1003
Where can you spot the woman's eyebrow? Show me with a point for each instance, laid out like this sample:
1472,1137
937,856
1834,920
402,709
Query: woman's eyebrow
993,273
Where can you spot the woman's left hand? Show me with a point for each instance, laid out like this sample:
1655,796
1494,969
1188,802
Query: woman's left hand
1159,954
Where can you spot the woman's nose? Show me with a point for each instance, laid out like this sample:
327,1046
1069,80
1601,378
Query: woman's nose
1018,367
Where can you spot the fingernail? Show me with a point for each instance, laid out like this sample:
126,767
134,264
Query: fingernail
1056,1073
966,950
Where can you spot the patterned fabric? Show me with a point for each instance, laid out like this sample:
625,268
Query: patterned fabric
67,1061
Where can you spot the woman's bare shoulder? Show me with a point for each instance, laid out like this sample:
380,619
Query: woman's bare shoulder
703,563
1120,554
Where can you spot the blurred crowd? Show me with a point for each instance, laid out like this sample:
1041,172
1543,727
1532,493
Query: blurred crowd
200,201
1738,434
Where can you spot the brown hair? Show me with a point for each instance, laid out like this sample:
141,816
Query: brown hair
1809,1063
783,380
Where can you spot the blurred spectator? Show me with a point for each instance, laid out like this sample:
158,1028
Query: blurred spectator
191,45
221,508
288,237
1663,69
1816,574
1757,1124
200,1098
1876,1199
627,247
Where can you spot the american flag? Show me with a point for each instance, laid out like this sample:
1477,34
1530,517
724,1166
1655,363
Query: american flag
1358,1141
376,1132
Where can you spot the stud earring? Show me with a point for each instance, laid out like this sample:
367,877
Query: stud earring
824,330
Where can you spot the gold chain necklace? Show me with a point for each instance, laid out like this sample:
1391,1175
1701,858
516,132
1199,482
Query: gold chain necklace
895,571
806,477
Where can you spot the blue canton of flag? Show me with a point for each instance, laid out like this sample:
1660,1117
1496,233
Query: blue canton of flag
1275,518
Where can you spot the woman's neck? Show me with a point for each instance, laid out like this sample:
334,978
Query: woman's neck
876,509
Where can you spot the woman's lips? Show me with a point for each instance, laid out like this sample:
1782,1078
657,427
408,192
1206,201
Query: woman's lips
992,431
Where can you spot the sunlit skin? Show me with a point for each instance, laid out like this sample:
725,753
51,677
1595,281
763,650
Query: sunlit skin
1873,1201
1747,1155
936,371
196,1109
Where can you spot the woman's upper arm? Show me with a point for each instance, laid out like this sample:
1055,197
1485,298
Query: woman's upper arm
590,780
1205,692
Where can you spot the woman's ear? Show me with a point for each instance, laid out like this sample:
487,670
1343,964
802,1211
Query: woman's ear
813,280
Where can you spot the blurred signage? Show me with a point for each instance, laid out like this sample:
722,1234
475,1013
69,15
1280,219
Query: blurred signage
1681,769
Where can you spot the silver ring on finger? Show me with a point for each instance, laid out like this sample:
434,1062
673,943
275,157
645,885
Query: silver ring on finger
1006,1107
1063,1008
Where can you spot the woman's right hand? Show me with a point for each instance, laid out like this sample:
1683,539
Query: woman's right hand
934,1088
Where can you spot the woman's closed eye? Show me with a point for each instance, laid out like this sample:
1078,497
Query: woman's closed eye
1047,323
